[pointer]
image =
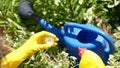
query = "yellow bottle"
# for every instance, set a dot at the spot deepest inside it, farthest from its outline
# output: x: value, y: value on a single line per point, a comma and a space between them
x: 89, y: 59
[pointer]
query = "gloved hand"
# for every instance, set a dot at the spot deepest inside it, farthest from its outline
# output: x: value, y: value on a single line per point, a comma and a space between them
x: 32, y: 45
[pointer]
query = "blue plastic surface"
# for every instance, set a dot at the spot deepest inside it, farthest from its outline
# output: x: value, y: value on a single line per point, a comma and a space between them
x: 87, y: 36
x: 75, y: 35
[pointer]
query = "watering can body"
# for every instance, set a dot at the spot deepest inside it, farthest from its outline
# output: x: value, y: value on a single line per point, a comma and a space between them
x: 74, y: 35
x: 90, y: 37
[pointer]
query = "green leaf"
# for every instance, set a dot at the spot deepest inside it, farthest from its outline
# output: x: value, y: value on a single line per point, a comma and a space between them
x: 117, y: 35
x: 117, y: 43
x: 118, y: 28
x: 3, y: 23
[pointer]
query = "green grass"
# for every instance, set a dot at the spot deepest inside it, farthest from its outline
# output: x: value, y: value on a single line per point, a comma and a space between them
x: 52, y: 58
x: 57, y: 13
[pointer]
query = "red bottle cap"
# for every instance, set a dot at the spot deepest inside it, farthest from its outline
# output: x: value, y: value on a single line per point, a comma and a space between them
x: 81, y: 51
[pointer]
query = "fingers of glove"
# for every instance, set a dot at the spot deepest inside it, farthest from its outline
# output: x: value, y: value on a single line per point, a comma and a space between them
x: 45, y: 46
x: 46, y: 34
x: 55, y: 44
x: 41, y: 37
x: 43, y: 34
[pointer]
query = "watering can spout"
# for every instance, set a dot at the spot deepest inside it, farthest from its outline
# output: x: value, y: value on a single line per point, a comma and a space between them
x: 25, y: 11
x: 52, y: 29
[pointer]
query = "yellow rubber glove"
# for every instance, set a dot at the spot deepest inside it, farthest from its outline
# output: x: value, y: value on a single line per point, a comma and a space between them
x: 35, y: 43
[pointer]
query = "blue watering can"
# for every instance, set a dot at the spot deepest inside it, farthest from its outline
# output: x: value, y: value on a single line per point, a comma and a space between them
x: 74, y: 35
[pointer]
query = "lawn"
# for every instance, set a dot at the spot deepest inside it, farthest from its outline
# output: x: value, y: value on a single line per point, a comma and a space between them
x: 104, y: 14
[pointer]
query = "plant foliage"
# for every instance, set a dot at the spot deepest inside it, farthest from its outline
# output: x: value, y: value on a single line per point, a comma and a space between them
x: 58, y: 12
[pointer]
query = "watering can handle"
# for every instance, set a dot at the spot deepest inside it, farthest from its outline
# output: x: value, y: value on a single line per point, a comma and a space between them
x: 92, y: 29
